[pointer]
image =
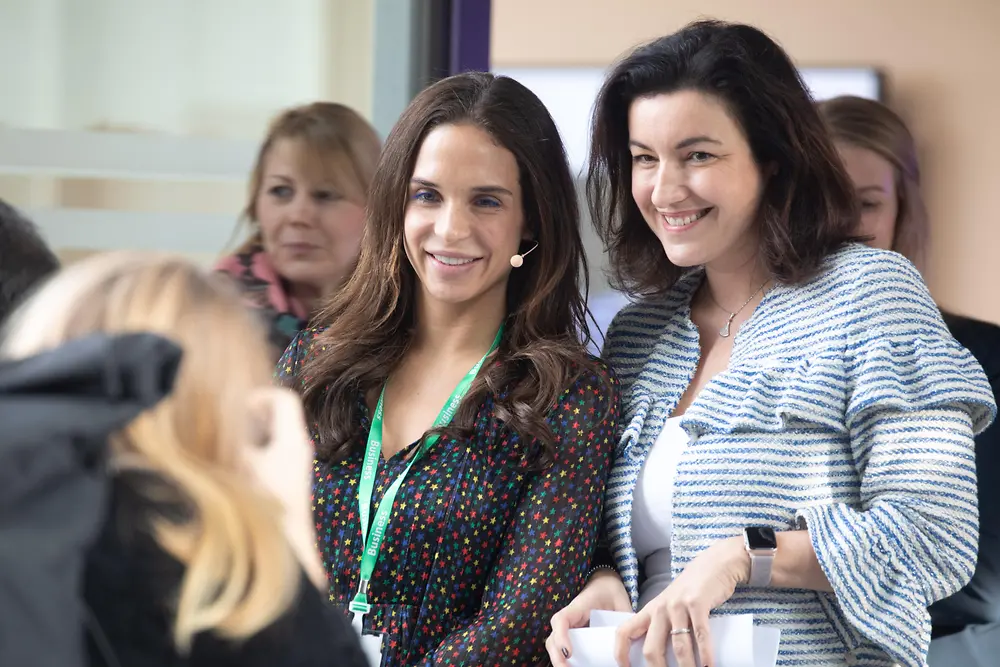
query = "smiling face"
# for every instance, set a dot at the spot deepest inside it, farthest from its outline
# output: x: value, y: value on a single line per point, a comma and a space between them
x: 464, y: 218
x: 310, y: 230
x: 694, y: 179
x: 874, y: 180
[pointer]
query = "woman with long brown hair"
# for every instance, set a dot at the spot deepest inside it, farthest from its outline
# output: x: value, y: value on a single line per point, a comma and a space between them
x: 880, y: 155
x: 454, y: 532
x: 209, y: 538
x: 307, y: 196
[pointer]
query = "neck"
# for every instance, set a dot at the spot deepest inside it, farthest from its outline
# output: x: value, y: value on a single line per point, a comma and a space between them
x: 308, y: 295
x: 733, y: 283
x: 458, y: 329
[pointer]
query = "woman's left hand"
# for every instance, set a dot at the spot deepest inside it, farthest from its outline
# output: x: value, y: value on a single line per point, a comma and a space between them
x: 706, y: 583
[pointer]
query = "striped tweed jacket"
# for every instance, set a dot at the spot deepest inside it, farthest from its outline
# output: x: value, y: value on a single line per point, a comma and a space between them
x: 847, y: 408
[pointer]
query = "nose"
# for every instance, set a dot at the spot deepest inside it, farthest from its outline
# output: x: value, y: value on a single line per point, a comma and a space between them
x: 302, y: 209
x: 452, y: 223
x: 671, y: 186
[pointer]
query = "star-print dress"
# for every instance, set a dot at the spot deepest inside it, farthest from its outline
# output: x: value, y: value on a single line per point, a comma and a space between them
x: 479, y: 552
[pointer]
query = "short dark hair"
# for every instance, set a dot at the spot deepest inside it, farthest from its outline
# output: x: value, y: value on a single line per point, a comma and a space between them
x: 808, y: 207
x: 25, y: 259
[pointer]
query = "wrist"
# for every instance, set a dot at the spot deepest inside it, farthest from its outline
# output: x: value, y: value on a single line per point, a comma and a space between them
x: 739, y: 560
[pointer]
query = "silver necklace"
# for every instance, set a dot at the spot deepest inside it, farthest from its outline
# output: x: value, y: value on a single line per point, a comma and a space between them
x: 724, y: 331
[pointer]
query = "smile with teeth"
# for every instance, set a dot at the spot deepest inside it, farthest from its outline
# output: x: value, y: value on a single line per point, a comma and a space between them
x: 454, y: 261
x: 686, y: 220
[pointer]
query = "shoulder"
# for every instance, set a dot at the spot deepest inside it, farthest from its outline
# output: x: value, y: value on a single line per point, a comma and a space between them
x: 873, y: 293
x: 870, y: 273
x: 594, y: 377
x: 640, y: 323
x: 305, y: 345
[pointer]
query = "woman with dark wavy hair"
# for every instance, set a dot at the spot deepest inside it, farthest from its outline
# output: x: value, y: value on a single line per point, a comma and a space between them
x: 798, y: 422
x: 455, y: 532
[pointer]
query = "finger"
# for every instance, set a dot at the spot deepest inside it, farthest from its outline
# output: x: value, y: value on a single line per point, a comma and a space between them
x: 561, y: 623
x: 703, y: 638
x: 555, y: 651
x: 631, y: 629
x: 682, y: 642
x: 654, y: 648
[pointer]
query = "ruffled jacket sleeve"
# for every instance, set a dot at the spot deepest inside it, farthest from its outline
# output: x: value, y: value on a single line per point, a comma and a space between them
x: 915, y: 399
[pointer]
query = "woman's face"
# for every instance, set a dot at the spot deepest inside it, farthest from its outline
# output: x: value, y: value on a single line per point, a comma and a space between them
x: 311, y: 232
x: 694, y: 179
x: 464, y: 218
x: 874, y: 180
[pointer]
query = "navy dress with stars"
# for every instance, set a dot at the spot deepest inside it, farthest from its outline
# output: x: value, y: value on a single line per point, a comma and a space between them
x: 479, y: 552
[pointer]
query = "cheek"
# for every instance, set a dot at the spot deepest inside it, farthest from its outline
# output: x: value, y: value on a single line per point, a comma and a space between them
x: 642, y: 189
x: 344, y: 222
x: 880, y: 225
x: 268, y: 219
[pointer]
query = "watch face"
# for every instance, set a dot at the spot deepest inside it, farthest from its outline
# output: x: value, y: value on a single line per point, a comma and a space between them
x: 759, y: 537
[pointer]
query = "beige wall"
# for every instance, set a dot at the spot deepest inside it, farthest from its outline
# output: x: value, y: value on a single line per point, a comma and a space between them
x: 940, y: 59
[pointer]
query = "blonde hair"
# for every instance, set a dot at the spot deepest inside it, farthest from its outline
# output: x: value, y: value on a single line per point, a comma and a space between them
x: 339, y: 144
x: 873, y: 126
x: 240, y: 573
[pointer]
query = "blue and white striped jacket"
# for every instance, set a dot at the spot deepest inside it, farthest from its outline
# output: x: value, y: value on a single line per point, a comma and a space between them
x: 848, y: 408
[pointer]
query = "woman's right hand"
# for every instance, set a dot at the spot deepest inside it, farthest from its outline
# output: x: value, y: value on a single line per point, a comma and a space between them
x: 282, y: 463
x: 605, y: 590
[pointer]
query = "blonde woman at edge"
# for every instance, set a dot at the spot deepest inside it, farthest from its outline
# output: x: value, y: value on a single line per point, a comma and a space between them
x: 209, y: 534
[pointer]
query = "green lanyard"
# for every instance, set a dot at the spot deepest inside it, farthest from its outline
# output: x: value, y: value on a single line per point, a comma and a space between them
x: 372, y: 539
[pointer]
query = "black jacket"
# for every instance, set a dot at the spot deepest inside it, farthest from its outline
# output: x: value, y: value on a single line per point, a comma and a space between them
x: 82, y: 582
x: 56, y: 411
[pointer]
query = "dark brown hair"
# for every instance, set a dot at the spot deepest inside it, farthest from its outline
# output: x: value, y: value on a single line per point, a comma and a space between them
x: 808, y: 207
x: 371, y: 319
x: 875, y: 127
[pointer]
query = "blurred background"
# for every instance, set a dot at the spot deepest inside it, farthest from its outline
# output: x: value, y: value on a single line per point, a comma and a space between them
x: 134, y: 123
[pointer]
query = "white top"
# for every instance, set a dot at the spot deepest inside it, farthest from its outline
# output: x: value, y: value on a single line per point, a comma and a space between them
x: 652, y: 508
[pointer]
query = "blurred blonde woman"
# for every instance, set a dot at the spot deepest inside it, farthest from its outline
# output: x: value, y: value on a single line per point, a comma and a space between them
x: 307, y: 197
x: 203, y: 555
x: 881, y: 158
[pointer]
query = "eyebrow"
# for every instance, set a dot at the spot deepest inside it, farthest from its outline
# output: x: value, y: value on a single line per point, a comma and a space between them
x: 479, y: 189
x: 871, y: 188
x: 685, y: 143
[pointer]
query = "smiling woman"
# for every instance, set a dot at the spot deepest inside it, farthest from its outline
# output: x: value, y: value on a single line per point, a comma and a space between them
x: 798, y: 440
x: 307, y: 195
x: 450, y: 386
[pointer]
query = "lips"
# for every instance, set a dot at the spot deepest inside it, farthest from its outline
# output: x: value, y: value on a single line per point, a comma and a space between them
x: 453, y: 259
x: 299, y: 247
x: 685, y: 218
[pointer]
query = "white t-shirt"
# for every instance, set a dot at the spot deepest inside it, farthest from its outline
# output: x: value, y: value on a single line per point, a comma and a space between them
x: 652, y: 508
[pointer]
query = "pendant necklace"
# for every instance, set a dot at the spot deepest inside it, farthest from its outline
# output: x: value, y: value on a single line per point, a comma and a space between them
x: 724, y: 331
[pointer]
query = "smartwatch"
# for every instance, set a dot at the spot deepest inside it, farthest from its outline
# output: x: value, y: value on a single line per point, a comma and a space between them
x: 762, y: 544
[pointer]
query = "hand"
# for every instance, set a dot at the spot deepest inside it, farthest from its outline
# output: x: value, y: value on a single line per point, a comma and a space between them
x: 706, y: 583
x: 604, y: 591
x: 282, y: 464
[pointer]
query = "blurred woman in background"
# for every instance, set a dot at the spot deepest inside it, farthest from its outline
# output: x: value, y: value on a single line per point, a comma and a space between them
x: 308, y: 192
x: 209, y: 534
x: 881, y: 159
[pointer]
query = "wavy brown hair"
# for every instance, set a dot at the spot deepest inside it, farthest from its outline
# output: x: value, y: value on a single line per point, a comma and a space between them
x: 371, y: 320
x: 875, y: 127
x: 808, y: 206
